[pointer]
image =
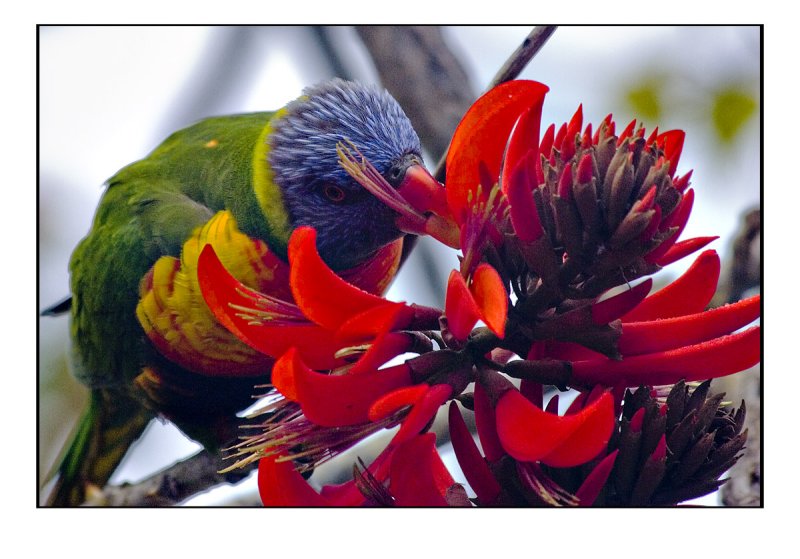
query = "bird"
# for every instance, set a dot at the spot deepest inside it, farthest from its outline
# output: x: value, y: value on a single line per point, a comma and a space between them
x: 142, y: 338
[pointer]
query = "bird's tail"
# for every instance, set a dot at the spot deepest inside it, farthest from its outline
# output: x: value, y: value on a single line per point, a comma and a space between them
x: 110, y: 424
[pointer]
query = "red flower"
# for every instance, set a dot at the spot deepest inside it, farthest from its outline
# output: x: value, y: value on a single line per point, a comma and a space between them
x: 415, y: 473
x: 550, y: 229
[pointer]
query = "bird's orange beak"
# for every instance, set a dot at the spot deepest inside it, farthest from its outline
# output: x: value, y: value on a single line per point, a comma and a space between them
x: 427, y: 196
x: 419, y: 200
x: 423, y: 192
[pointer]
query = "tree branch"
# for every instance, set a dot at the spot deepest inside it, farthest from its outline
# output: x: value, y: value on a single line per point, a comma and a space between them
x: 517, y: 62
x: 418, y: 68
x: 172, y: 485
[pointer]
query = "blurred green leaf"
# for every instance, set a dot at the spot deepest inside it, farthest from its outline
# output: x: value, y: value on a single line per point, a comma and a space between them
x: 732, y: 108
x: 645, y: 101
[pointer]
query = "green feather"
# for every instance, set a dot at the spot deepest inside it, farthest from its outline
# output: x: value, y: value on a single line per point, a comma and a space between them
x: 148, y: 210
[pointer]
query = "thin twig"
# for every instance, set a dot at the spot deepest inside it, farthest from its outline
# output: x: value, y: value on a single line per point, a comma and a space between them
x: 529, y: 47
x: 171, y: 486
x: 518, y: 60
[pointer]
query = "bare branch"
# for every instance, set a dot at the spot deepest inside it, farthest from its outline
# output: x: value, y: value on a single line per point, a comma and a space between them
x: 171, y: 486
x: 517, y: 62
x: 520, y: 58
x: 417, y: 67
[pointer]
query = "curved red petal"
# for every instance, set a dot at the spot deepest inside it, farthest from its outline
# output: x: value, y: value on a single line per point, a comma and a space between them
x: 530, y: 434
x: 688, y: 294
x: 323, y: 296
x: 481, y: 136
x: 519, y: 189
x: 710, y: 359
x: 280, y: 485
x: 393, y: 401
x: 224, y: 293
x: 418, y: 478
x: 347, y: 494
x: 683, y: 249
x: 490, y: 295
x: 672, y: 144
x: 589, y: 439
x: 486, y: 425
x: 460, y: 307
x: 382, y: 349
x: 374, y: 321
x: 422, y: 413
x: 337, y: 400
x: 473, y: 465
x: 533, y: 391
x: 524, y: 142
x: 678, y: 218
x: 590, y: 488
x: 283, y: 374
x: 616, y: 306
x: 670, y: 333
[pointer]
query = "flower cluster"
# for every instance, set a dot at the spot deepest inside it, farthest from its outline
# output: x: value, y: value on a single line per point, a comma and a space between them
x: 552, y: 232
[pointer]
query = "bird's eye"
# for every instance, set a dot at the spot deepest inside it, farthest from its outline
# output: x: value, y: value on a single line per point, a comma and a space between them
x: 395, y: 173
x: 333, y: 193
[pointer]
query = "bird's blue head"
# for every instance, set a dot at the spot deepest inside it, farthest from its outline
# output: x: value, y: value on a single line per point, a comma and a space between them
x: 351, y: 223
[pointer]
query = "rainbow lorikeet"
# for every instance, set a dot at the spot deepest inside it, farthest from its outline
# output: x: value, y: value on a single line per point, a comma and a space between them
x: 145, y: 342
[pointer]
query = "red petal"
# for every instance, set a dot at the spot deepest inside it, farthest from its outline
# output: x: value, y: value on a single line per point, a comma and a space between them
x: 616, y: 306
x: 672, y: 144
x: 711, y: 359
x: 683, y: 249
x: 547, y: 140
x: 393, y: 401
x: 221, y: 290
x: 590, y: 488
x: 575, y: 123
x: 670, y: 333
x: 565, y: 183
x: 486, y: 426
x: 374, y: 321
x: 688, y: 294
x: 585, y: 170
x: 678, y: 218
x: 473, y: 465
x: 680, y: 215
x: 490, y: 295
x: 637, y: 421
x: 567, y: 146
x: 482, y: 136
x: 460, y: 307
x: 530, y: 434
x: 382, y: 349
x: 422, y: 413
x: 418, y: 476
x: 524, y: 141
x: 324, y: 297
x: 347, y: 493
x: 533, y: 391
x: 280, y: 485
x: 524, y: 215
x: 683, y: 181
x: 337, y: 400
x: 626, y: 133
x: 283, y: 378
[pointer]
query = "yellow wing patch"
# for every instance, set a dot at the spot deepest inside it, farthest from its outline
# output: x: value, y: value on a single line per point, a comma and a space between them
x: 174, y: 314
x: 175, y: 317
